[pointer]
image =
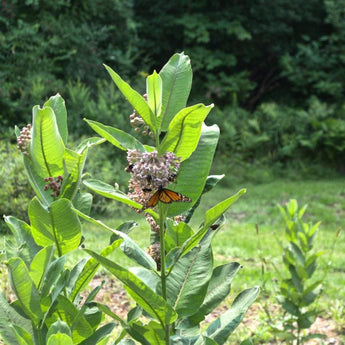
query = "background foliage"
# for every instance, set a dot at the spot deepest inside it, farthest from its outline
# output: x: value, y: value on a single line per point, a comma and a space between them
x: 276, y: 73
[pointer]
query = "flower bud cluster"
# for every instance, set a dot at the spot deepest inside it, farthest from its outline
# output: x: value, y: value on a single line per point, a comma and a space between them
x: 153, y: 224
x: 54, y: 183
x: 139, y: 124
x: 24, y: 139
x: 155, y: 252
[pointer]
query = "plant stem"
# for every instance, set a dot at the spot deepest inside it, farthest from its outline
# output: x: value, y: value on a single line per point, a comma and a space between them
x: 163, y: 275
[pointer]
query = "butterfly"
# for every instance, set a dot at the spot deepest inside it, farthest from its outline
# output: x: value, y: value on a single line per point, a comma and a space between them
x: 166, y: 196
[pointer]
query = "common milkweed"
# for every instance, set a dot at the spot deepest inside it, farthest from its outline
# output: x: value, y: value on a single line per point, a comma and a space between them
x: 166, y: 196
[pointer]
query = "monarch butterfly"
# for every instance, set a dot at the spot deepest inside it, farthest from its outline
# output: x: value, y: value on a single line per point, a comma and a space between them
x: 166, y: 196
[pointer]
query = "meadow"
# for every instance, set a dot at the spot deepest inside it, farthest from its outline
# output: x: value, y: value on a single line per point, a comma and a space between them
x: 254, y: 226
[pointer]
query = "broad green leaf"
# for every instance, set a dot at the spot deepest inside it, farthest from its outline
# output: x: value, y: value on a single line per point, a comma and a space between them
x: 184, y: 131
x: 152, y: 332
x: 194, y: 171
x: 60, y: 339
x: 154, y: 93
x: 149, y: 277
x: 25, y: 289
x: 216, y: 211
x: 9, y: 316
x: 83, y: 202
x: 118, y: 138
x: 47, y: 148
x: 88, y: 142
x: 39, y: 265
x: 126, y: 342
x: 217, y: 290
x: 177, y: 82
x: 74, y: 164
x: 210, y: 217
x: 110, y: 192
x: 23, y: 336
x: 128, y: 246
x: 101, y: 334
x: 134, y: 98
x: 152, y: 303
x: 88, y: 271
x: 66, y: 311
x: 22, y: 234
x: 55, y: 269
x: 188, y: 281
x: 220, y: 329
x: 59, y: 327
x: 57, y: 103
x: 59, y: 226
x: 176, y: 235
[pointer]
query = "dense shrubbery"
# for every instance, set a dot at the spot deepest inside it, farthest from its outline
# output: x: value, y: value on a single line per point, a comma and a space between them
x: 276, y: 72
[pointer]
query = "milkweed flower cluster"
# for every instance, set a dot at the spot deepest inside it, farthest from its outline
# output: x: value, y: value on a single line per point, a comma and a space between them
x: 23, y: 141
x: 139, y: 124
x: 54, y: 183
x: 150, y: 172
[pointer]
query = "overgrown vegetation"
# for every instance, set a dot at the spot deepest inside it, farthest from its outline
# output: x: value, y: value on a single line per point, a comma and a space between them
x: 276, y: 72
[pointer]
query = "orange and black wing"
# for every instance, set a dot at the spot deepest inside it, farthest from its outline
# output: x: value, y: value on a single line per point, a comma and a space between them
x: 166, y: 196
x: 154, y: 199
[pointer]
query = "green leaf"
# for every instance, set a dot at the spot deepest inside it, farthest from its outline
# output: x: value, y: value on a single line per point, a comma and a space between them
x: 184, y: 131
x: 47, y: 148
x: 154, y: 93
x: 88, y: 271
x: 59, y: 226
x: 23, y: 336
x: 118, y: 138
x: 25, y: 289
x: 74, y: 164
x: 22, y: 234
x: 57, y: 103
x: 188, y: 280
x: 176, y: 235
x: 54, y: 272
x: 152, y: 332
x: 59, y: 327
x: 218, y: 289
x: 9, y: 316
x: 177, y: 82
x: 194, y: 171
x: 135, y: 99
x: 101, y: 334
x: 60, y: 339
x: 110, y: 192
x: 39, y: 265
x: 152, y: 303
x: 128, y: 246
x: 66, y: 311
x: 220, y: 329
x: 83, y: 202
x: 210, y: 217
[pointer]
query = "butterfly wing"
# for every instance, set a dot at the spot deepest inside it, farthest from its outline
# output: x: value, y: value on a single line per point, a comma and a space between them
x: 167, y: 196
x: 154, y: 199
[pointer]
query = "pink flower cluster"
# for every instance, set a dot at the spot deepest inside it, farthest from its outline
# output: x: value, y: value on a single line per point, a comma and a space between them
x: 150, y: 171
x: 54, y: 184
x: 23, y: 141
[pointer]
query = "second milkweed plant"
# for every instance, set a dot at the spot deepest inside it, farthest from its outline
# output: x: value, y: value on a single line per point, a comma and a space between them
x: 175, y: 284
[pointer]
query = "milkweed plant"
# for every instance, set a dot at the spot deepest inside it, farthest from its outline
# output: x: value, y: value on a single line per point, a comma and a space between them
x: 174, y: 282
